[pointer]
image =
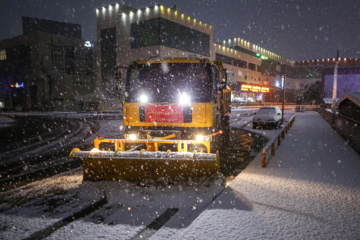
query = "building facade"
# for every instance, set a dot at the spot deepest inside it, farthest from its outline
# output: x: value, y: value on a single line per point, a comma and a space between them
x: 126, y: 34
x: 258, y: 72
x: 49, y: 67
x: 321, y: 72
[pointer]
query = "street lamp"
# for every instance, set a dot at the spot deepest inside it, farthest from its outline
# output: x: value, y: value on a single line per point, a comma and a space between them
x: 333, y: 103
x: 283, y: 80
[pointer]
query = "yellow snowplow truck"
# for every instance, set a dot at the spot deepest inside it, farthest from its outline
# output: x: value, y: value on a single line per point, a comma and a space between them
x: 176, y: 117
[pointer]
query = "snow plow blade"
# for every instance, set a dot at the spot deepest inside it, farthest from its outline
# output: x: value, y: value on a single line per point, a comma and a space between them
x: 137, y: 165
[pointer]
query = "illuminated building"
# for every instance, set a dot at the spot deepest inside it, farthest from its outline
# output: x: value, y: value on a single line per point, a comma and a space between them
x: 125, y: 34
x: 251, y: 65
x: 305, y: 73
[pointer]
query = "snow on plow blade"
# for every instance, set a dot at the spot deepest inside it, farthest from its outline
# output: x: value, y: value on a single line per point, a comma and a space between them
x: 135, y: 165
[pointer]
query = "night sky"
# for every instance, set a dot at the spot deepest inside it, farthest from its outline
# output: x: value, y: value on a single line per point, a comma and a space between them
x: 293, y: 29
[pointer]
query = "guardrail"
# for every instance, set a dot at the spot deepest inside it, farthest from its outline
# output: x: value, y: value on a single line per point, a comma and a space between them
x: 278, y: 138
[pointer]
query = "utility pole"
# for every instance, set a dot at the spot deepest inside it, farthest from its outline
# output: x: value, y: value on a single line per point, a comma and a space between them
x: 333, y: 104
x: 283, y: 80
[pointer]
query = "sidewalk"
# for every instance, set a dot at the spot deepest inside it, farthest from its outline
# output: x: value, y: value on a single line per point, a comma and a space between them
x: 309, y: 190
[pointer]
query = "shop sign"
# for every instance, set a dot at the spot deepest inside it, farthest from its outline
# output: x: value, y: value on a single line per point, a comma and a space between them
x: 253, y: 88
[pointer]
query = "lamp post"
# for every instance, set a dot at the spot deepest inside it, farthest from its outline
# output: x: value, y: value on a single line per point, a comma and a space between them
x: 283, y: 80
x: 333, y: 103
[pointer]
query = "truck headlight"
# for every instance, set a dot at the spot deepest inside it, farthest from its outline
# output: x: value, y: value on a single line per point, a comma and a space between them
x: 132, y: 136
x: 200, y: 138
x: 184, y: 99
x: 143, y: 98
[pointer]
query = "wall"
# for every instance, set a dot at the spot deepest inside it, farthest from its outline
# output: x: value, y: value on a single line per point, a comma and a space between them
x: 349, y: 130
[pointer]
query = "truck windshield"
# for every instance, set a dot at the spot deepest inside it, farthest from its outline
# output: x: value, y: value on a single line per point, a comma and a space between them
x: 166, y: 82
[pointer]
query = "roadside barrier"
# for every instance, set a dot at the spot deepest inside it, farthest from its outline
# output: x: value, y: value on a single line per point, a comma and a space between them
x: 278, y: 137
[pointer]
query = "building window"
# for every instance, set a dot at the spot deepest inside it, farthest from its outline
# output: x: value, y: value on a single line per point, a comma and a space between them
x: 258, y: 68
x: 108, y: 54
x: 59, y: 57
x: 19, y: 52
x: 231, y: 61
x: 159, y: 31
x: 240, y: 63
x: 252, y: 66
x: 89, y: 62
x: 2, y: 54
x: 70, y: 60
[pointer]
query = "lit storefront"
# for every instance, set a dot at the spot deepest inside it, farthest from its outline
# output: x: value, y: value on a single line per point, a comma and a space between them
x: 249, y: 93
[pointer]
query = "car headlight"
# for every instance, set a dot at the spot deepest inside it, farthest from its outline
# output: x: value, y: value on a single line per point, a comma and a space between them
x: 184, y: 99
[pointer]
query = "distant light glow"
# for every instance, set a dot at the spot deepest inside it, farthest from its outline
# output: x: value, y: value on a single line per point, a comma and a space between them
x: 17, y: 85
x: 88, y: 44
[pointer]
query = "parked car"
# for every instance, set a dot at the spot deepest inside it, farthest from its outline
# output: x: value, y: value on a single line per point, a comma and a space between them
x: 267, y: 116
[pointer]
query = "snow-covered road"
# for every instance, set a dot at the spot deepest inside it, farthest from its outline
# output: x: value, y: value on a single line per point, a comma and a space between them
x: 309, y: 190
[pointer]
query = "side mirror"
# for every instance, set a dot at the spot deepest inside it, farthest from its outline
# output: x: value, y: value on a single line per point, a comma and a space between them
x: 118, y: 86
x: 118, y: 75
x: 118, y: 79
